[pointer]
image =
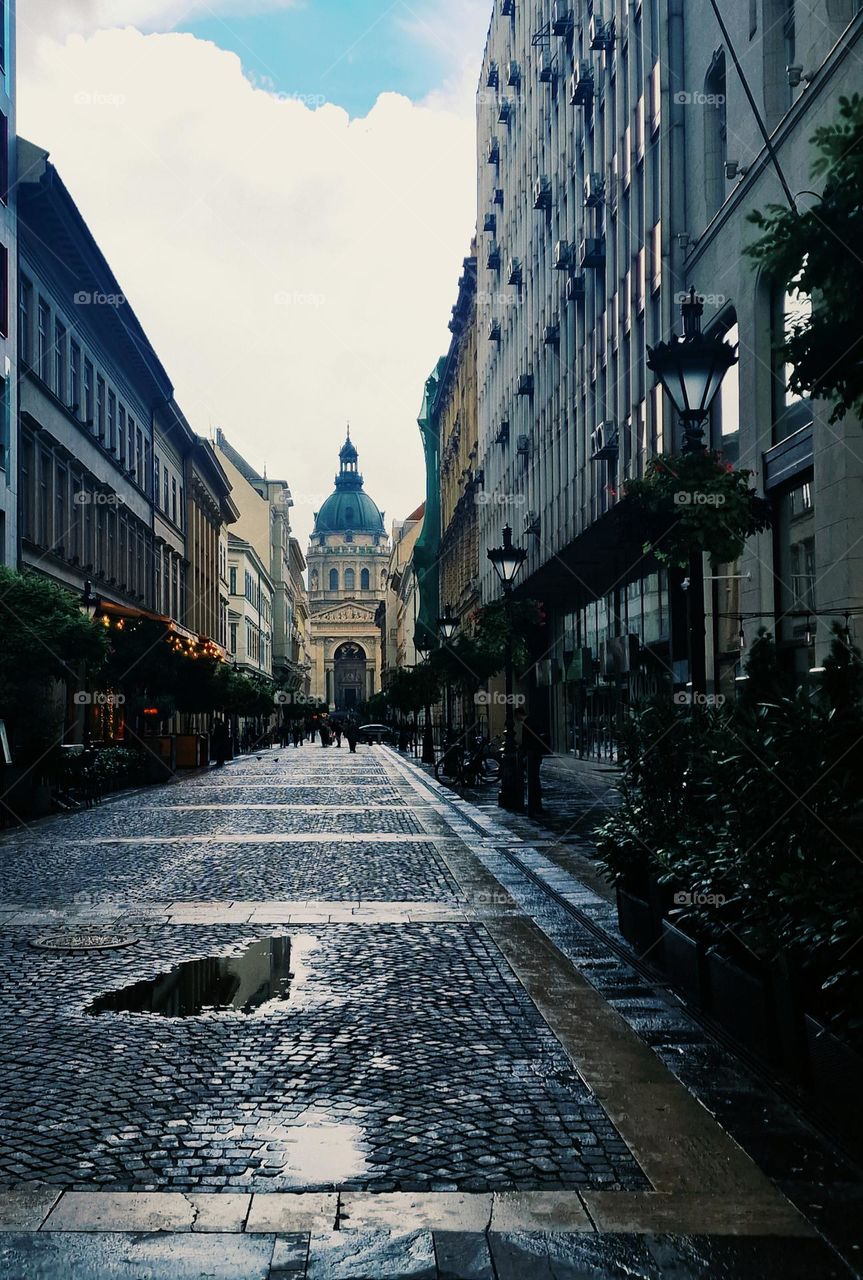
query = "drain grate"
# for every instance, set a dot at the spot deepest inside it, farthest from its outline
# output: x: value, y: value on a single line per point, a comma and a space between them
x: 83, y: 940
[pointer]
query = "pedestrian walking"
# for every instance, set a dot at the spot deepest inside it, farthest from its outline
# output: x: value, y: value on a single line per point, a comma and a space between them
x: 220, y: 742
x: 352, y: 735
x: 534, y: 747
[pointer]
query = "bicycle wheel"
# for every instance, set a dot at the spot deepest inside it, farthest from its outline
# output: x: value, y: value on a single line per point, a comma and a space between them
x: 489, y: 768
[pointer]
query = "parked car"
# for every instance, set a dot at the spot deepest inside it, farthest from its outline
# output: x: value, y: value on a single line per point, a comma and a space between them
x: 376, y: 733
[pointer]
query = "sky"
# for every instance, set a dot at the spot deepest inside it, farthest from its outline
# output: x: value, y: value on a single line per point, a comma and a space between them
x: 285, y: 190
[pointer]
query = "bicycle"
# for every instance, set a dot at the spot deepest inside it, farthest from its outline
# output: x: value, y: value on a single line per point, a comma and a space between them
x: 469, y: 765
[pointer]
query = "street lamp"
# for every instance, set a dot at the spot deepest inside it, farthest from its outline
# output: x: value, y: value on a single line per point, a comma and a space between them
x: 691, y: 369
x: 447, y: 626
x: 507, y: 561
x: 423, y: 645
x: 89, y: 600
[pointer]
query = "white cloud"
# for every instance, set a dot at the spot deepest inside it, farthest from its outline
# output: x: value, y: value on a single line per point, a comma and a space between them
x: 293, y: 268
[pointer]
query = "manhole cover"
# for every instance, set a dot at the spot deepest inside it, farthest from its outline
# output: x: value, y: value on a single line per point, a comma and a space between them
x: 83, y: 940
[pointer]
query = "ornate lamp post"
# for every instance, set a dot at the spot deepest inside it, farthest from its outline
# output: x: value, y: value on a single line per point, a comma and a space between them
x: 690, y: 369
x: 423, y: 645
x: 507, y: 561
x: 447, y: 625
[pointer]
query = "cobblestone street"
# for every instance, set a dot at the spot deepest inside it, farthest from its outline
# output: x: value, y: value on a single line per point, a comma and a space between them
x: 460, y: 1076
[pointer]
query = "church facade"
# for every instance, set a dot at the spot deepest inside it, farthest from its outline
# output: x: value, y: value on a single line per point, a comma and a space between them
x: 347, y: 562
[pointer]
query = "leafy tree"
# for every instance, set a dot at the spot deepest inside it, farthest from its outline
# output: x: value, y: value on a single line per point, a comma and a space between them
x: 816, y: 252
x: 46, y: 638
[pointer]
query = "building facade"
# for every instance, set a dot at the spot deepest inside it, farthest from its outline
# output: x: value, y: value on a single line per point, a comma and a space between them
x: 264, y: 521
x: 250, y: 609
x: 8, y: 292
x: 461, y: 479
x: 803, y: 575
x: 348, y: 561
x: 618, y: 158
x: 89, y: 384
x: 399, y: 608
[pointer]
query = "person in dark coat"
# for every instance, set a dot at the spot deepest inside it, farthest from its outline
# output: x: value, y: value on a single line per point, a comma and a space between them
x: 352, y: 735
x: 220, y: 742
x: 534, y: 746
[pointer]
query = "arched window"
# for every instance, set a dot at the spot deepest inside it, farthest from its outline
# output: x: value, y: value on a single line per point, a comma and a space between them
x: 334, y: 579
x: 715, y: 133
x: 364, y: 580
x: 349, y: 580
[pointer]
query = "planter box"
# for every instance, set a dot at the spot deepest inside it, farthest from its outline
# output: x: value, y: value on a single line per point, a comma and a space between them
x: 836, y: 1071
x: 683, y: 958
x: 637, y: 923
x: 740, y: 1001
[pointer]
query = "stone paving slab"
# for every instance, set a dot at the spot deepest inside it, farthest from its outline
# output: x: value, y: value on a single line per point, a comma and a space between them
x: 26, y: 1208
x: 114, y: 1256
x: 297, y: 1211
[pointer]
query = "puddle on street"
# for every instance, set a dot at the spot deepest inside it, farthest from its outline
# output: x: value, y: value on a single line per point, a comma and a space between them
x: 259, y: 978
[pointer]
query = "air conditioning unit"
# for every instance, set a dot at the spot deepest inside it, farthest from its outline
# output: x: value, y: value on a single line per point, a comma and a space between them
x: 551, y: 335
x: 594, y: 190
x: 562, y: 255
x: 601, y: 34
x: 592, y: 253
x: 604, y: 443
x: 498, y: 197
x: 547, y: 69
x: 532, y: 523
x: 490, y: 223
x: 493, y: 151
x: 494, y: 330
x: 504, y: 114
x: 581, y: 84
x: 542, y: 193
x: 493, y: 78
x: 562, y: 20
x: 525, y: 385
x: 513, y: 271
x: 513, y: 73
x: 502, y: 436
x: 492, y: 260
x: 575, y: 289
x: 522, y: 445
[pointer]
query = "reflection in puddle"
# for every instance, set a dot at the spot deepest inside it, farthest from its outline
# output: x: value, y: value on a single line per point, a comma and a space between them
x: 247, y: 983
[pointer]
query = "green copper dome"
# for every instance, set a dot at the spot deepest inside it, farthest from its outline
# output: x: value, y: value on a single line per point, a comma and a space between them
x: 349, y: 509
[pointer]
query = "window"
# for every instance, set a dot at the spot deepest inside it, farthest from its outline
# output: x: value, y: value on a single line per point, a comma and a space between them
x: 100, y: 408
x: 59, y: 383
x: 791, y: 412
x: 43, y: 342
x: 334, y: 579
x: 4, y: 291
x: 715, y: 133
x: 25, y: 320
x: 4, y: 157
x: 365, y: 578
x: 350, y: 580
x: 75, y: 379
x: 88, y: 393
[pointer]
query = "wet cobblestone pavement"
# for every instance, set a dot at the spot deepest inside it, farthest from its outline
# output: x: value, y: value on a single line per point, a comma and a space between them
x: 460, y: 1082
